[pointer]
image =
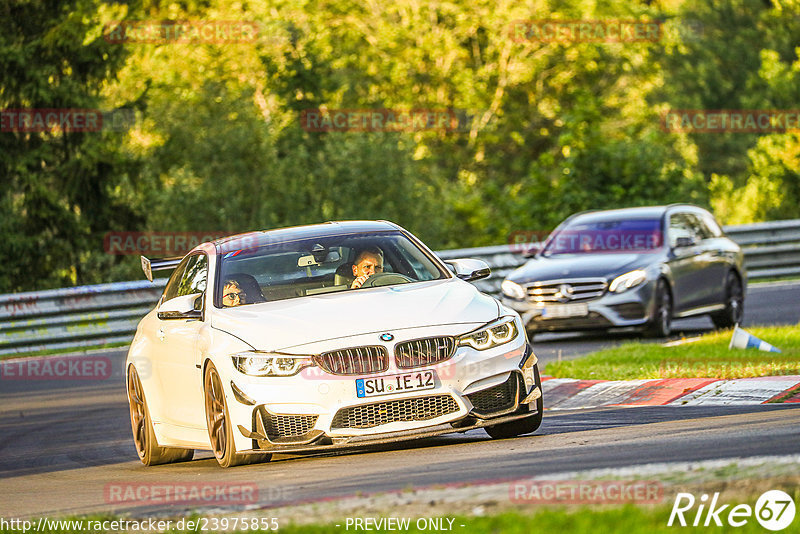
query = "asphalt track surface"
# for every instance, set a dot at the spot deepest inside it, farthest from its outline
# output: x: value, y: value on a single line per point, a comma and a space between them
x: 62, y: 443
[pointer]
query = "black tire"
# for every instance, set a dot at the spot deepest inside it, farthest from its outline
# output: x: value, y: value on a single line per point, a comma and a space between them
x: 521, y: 426
x: 144, y: 437
x: 661, y: 319
x: 734, y: 304
x: 218, y: 422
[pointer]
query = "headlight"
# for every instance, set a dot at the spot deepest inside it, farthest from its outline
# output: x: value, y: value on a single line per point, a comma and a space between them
x: 512, y: 289
x: 256, y: 363
x: 497, y: 333
x: 626, y: 281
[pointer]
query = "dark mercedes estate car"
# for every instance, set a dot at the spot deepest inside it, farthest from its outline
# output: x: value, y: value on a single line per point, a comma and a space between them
x: 635, y: 267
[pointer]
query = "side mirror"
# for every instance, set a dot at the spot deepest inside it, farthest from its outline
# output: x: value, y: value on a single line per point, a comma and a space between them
x: 183, y: 307
x: 469, y: 269
x: 685, y: 241
x: 531, y: 251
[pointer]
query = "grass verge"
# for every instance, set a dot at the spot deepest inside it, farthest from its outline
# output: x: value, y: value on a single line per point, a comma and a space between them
x: 707, y: 356
x: 483, y: 508
x: 787, y: 278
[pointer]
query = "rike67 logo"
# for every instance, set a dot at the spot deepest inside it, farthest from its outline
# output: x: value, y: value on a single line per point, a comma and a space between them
x: 774, y: 510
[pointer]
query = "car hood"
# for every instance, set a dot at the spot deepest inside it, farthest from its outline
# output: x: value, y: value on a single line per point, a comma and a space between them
x: 567, y: 266
x: 278, y: 325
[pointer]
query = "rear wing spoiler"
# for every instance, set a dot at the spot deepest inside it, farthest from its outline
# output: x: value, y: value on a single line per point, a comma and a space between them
x: 158, y: 264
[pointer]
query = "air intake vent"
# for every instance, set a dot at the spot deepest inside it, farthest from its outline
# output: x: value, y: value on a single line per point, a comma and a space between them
x: 496, y: 398
x: 288, y: 426
x: 381, y: 413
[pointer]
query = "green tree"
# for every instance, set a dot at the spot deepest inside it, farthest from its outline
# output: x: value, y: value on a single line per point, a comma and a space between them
x: 58, y: 188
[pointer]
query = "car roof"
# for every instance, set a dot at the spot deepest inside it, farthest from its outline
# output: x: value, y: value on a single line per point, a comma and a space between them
x: 294, y: 233
x: 646, y: 212
x: 643, y: 212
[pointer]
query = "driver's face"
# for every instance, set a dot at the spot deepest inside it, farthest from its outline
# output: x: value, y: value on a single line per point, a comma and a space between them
x: 369, y: 265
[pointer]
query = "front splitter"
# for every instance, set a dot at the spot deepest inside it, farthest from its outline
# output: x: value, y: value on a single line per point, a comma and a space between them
x: 393, y: 437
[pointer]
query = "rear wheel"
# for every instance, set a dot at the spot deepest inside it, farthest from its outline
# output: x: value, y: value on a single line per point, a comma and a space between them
x: 661, y: 321
x: 220, y: 429
x: 521, y: 426
x: 144, y: 437
x: 734, y: 304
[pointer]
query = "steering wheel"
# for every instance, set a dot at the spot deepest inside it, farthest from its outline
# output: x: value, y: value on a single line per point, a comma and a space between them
x: 386, y: 279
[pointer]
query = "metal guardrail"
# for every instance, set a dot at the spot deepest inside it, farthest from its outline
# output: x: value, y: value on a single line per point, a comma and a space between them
x: 86, y: 316
x: 90, y: 316
x: 771, y: 249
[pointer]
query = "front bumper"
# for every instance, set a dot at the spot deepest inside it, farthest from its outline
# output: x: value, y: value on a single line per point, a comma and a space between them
x: 472, y: 389
x: 632, y: 308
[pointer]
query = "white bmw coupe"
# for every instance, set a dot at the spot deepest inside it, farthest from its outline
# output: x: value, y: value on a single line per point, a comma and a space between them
x: 323, y: 337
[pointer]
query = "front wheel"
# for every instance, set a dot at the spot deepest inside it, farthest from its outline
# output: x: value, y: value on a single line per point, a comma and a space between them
x: 521, y: 426
x: 220, y: 429
x: 144, y: 437
x: 734, y: 304
x: 661, y: 321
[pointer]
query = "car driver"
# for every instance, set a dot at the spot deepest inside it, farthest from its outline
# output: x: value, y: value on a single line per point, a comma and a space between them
x: 368, y: 262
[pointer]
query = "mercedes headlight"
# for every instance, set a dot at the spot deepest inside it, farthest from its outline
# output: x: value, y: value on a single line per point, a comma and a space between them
x: 496, y: 333
x: 512, y: 289
x: 256, y: 363
x: 626, y: 281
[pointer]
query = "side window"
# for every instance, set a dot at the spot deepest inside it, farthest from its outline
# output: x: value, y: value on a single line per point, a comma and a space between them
x: 171, y: 290
x: 711, y: 225
x: 195, y: 277
x: 680, y: 225
x: 189, y: 277
x: 699, y: 227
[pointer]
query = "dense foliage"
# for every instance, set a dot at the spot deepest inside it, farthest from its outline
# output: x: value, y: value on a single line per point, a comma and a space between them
x: 546, y: 127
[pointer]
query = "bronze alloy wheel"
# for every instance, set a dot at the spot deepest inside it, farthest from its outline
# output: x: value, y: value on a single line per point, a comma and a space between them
x: 215, y: 412
x: 144, y: 437
x: 220, y: 429
x: 136, y: 402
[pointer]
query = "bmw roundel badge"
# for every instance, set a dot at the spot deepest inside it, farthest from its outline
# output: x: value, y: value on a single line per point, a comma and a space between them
x: 387, y: 337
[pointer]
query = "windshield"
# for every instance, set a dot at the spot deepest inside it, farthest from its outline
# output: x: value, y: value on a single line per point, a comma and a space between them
x: 316, y: 266
x: 627, y: 236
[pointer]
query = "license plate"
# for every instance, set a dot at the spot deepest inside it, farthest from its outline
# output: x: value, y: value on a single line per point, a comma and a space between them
x: 387, y: 385
x: 557, y: 311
